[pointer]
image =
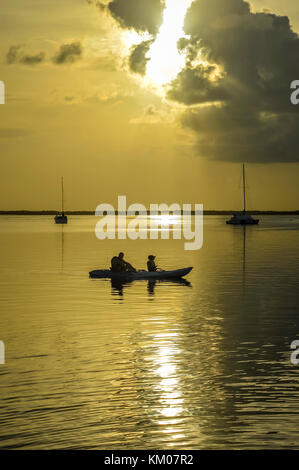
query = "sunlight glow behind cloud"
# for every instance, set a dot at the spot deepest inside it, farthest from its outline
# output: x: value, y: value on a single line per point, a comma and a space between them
x: 165, y: 60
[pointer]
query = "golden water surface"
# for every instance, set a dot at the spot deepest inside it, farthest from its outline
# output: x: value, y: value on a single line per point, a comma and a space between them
x: 203, y: 364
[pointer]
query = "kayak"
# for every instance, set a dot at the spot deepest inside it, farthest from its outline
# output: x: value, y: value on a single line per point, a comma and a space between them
x: 107, y: 274
x: 139, y: 275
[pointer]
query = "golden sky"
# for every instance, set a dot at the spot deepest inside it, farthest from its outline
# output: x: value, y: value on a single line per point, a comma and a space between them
x: 99, y: 94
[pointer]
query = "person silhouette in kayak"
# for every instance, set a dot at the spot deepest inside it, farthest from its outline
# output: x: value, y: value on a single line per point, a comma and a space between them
x: 151, y: 265
x: 118, y: 264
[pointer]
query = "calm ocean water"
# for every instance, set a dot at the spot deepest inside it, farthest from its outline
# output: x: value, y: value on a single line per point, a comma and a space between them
x: 198, y: 365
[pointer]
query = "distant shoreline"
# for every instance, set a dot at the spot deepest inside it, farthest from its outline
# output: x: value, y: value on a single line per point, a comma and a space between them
x: 206, y: 212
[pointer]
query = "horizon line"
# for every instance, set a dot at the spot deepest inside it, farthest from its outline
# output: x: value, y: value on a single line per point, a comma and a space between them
x: 87, y: 212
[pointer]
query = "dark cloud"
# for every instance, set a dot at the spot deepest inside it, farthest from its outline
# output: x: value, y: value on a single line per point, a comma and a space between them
x: 150, y: 110
x: 242, y: 86
x: 97, y: 3
x: 16, y: 54
x: 69, y: 99
x: 33, y: 59
x: 12, y: 55
x: 137, y: 59
x: 196, y: 85
x: 141, y: 15
x: 68, y: 53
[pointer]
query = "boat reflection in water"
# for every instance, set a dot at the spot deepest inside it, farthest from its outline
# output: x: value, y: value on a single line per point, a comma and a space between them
x: 118, y: 287
x: 152, y: 284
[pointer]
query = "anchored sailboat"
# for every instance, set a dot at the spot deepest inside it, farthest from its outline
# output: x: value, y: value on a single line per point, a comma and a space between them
x: 61, y: 218
x: 242, y: 218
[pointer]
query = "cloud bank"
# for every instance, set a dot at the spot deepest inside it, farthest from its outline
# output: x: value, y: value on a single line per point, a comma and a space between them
x: 236, y: 81
x: 237, y: 78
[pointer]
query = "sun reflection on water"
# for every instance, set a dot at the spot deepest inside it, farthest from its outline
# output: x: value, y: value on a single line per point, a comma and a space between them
x: 165, y: 361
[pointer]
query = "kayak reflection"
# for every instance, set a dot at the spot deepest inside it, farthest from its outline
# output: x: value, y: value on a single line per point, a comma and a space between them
x: 118, y: 287
x: 152, y: 284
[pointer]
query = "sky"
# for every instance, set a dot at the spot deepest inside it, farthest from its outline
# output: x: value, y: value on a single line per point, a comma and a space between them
x: 158, y: 100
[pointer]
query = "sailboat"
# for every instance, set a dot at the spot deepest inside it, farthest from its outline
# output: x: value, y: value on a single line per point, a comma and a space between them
x: 61, y: 218
x: 243, y: 218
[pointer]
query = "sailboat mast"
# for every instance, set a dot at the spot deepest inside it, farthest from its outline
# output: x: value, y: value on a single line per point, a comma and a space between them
x: 62, y: 194
x: 244, y: 189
